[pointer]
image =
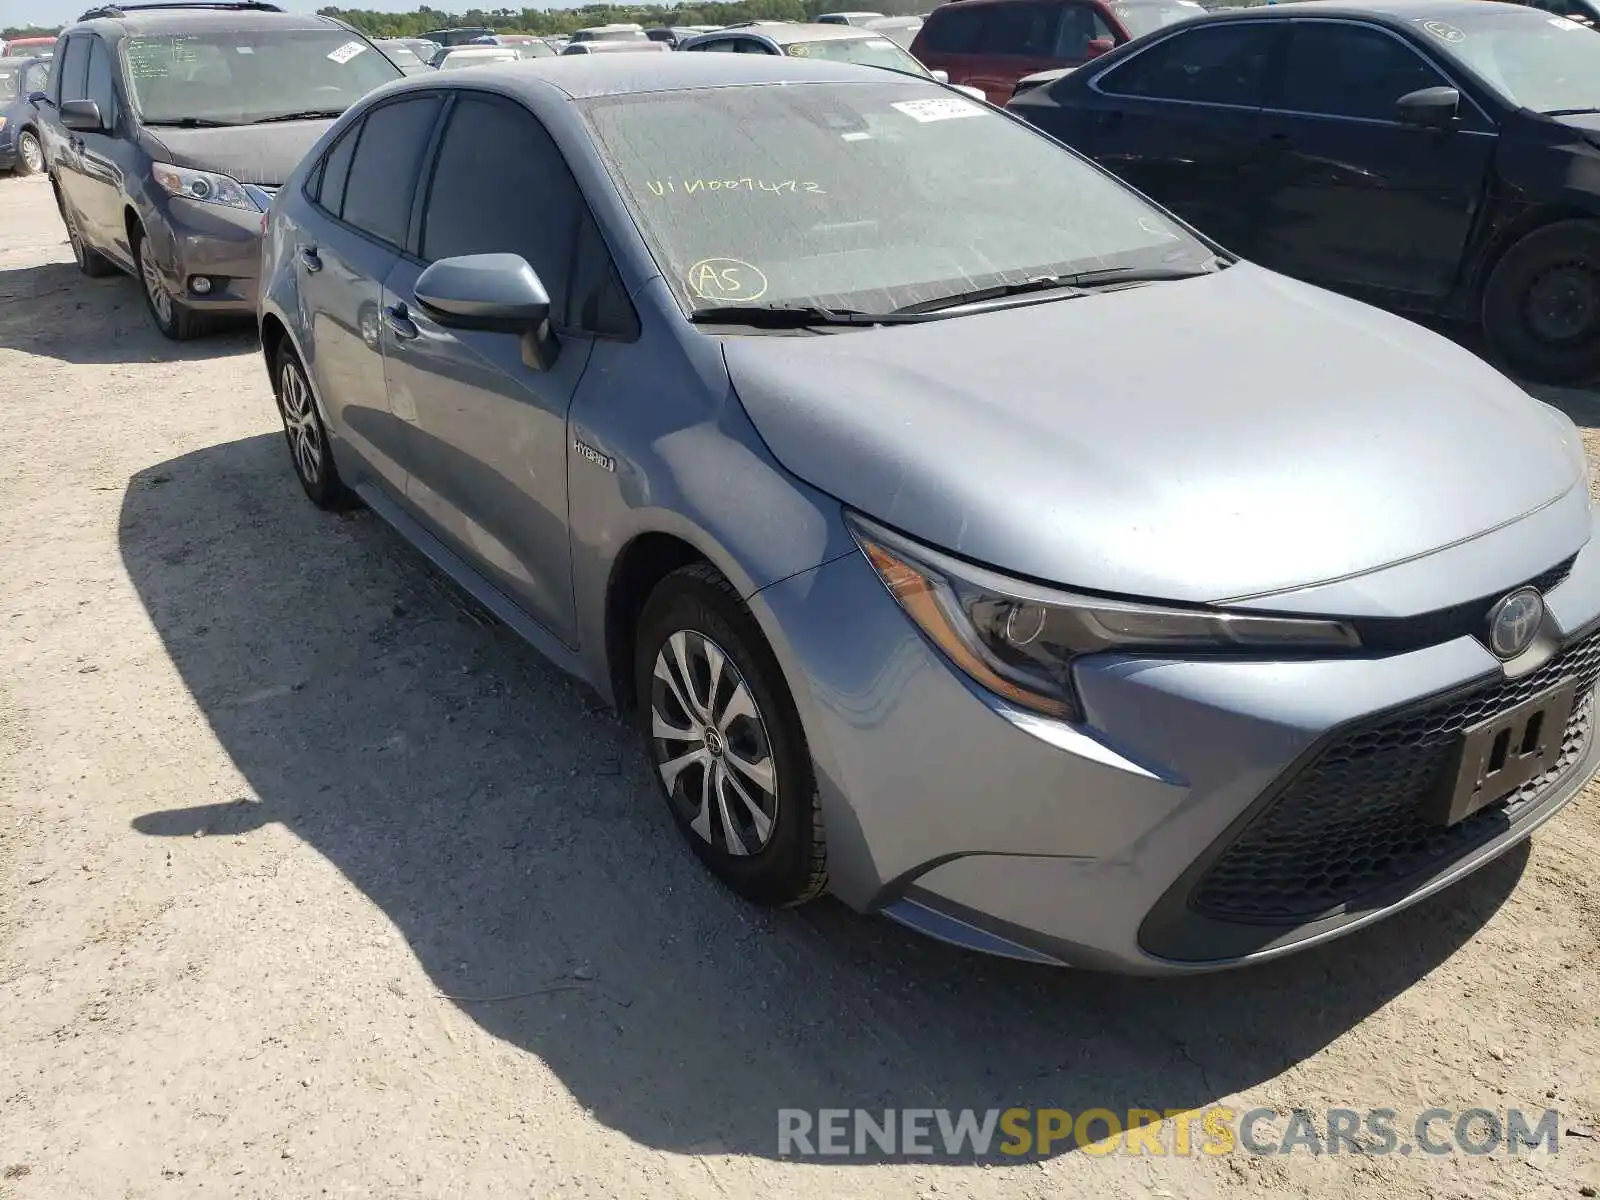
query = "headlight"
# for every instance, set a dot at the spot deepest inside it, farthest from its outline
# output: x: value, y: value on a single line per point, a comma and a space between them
x: 1019, y: 639
x: 204, y: 186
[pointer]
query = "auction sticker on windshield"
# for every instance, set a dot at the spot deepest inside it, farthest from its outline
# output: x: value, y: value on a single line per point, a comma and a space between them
x: 937, y: 110
x: 346, y: 52
x: 725, y: 280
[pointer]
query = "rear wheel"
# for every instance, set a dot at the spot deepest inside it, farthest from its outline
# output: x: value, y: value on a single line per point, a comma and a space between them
x: 726, y: 741
x: 307, y: 436
x: 30, y: 154
x: 1541, y: 306
x: 170, y: 317
x: 91, y: 262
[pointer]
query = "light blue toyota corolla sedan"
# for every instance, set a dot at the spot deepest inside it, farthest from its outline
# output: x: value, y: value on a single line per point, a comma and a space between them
x: 972, y: 539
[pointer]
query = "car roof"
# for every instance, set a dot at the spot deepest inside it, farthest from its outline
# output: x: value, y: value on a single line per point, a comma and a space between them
x: 584, y: 76
x: 796, y: 31
x: 1395, y: 10
x: 134, y: 21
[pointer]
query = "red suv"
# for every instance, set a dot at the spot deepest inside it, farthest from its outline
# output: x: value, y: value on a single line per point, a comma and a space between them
x: 990, y: 44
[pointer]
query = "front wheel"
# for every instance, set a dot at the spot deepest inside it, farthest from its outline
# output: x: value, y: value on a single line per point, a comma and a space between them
x: 1541, y: 305
x: 726, y: 741
x: 30, y: 154
x: 170, y: 317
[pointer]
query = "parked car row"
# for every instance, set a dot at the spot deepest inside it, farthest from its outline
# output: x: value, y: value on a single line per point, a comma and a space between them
x: 969, y: 535
x: 20, y: 148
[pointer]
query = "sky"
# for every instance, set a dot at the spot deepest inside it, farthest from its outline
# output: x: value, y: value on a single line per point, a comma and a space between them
x: 60, y: 12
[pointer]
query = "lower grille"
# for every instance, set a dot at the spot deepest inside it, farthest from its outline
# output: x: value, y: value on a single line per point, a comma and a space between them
x: 1352, y: 825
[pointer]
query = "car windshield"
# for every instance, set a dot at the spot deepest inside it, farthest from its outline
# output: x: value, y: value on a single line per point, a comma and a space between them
x: 1145, y: 18
x: 867, y: 196
x: 402, y: 56
x: 476, y: 57
x: 1536, y: 60
x: 10, y: 83
x: 868, y: 51
x: 243, y: 76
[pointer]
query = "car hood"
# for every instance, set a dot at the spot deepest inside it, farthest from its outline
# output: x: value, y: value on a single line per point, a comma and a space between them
x: 259, y: 154
x: 1202, y: 440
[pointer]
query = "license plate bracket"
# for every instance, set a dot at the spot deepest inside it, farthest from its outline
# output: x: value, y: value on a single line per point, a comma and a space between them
x: 1501, y: 753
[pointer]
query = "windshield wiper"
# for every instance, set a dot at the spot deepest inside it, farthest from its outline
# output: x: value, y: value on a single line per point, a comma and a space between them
x: 1077, y: 284
x: 1568, y: 112
x: 794, y: 316
x: 191, y: 123
x: 310, y: 114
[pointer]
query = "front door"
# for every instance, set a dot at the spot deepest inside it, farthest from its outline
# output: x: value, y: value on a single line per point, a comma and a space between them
x: 1352, y: 198
x: 488, y: 425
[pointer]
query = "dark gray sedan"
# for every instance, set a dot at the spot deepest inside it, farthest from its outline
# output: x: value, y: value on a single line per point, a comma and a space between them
x: 971, y: 538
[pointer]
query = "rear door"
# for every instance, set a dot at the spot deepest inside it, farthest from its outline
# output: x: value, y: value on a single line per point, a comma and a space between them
x: 1181, y: 121
x: 364, y: 189
x: 1351, y: 197
x: 488, y: 428
x: 1020, y: 37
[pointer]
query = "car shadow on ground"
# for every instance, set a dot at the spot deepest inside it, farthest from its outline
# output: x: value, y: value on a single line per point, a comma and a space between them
x: 507, y: 825
x: 45, y: 308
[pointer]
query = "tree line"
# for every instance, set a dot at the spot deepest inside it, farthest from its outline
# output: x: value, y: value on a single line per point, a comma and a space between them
x: 565, y: 20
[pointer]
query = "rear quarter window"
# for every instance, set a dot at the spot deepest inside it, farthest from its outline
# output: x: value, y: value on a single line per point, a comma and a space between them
x: 952, y: 31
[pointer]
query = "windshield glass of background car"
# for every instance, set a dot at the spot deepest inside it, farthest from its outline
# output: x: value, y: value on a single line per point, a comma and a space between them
x: 1536, y: 60
x: 869, y: 52
x: 10, y: 84
x: 861, y: 195
x: 242, y: 76
x: 1141, y: 19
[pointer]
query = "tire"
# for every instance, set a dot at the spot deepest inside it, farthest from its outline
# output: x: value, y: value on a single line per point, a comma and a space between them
x: 91, y: 262
x: 1541, y: 305
x: 30, y: 154
x: 309, y: 448
x: 754, y: 735
x: 170, y: 317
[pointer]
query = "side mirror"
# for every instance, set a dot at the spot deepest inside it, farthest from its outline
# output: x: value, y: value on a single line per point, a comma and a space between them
x: 82, y: 116
x: 1429, y: 108
x: 1098, y: 46
x: 498, y: 293
x: 940, y: 76
x: 38, y: 98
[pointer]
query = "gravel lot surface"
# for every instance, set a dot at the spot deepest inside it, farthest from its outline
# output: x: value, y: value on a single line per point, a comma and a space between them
x: 313, y: 883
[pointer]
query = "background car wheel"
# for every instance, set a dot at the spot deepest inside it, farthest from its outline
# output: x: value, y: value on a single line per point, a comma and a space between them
x: 171, y: 318
x: 30, y: 154
x: 309, y: 448
x: 91, y: 262
x: 726, y: 742
x: 1541, y: 306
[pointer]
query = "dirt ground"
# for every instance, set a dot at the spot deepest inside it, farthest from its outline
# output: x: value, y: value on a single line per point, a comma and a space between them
x: 314, y: 884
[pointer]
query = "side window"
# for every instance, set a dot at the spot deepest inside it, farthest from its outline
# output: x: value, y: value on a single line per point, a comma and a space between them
x: 336, y: 170
x: 500, y: 185
x: 953, y: 30
x: 725, y: 46
x: 1222, y: 64
x: 1022, y: 30
x: 1080, y: 25
x: 1341, y: 70
x: 98, y: 86
x: 73, y: 74
x: 383, y: 175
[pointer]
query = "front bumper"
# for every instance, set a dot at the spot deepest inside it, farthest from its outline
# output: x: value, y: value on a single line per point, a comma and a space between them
x: 1102, y: 845
x: 222, y: 244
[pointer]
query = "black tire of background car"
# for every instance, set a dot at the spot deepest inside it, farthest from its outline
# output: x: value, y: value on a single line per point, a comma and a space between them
x: 24, y: 139
x: 91, y: 262
x: 329, y: 491
x: 1508, y: 293
x: 184, y: 323
x: 792, y: 868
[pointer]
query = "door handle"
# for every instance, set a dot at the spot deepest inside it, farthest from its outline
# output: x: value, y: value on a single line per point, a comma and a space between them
x: 399, y: 322
x: 309, y: 259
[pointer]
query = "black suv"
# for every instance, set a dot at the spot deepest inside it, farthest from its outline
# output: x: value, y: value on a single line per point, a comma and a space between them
x: 167, y: 128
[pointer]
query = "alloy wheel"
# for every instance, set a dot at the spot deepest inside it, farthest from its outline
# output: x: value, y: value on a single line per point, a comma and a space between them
x: 711, y: 745
x: 300, y: 423
x: 32, y: 153
x: 160, y: 299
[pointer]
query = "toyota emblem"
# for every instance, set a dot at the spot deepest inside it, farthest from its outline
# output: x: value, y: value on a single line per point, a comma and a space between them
x: 1513, y: 622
